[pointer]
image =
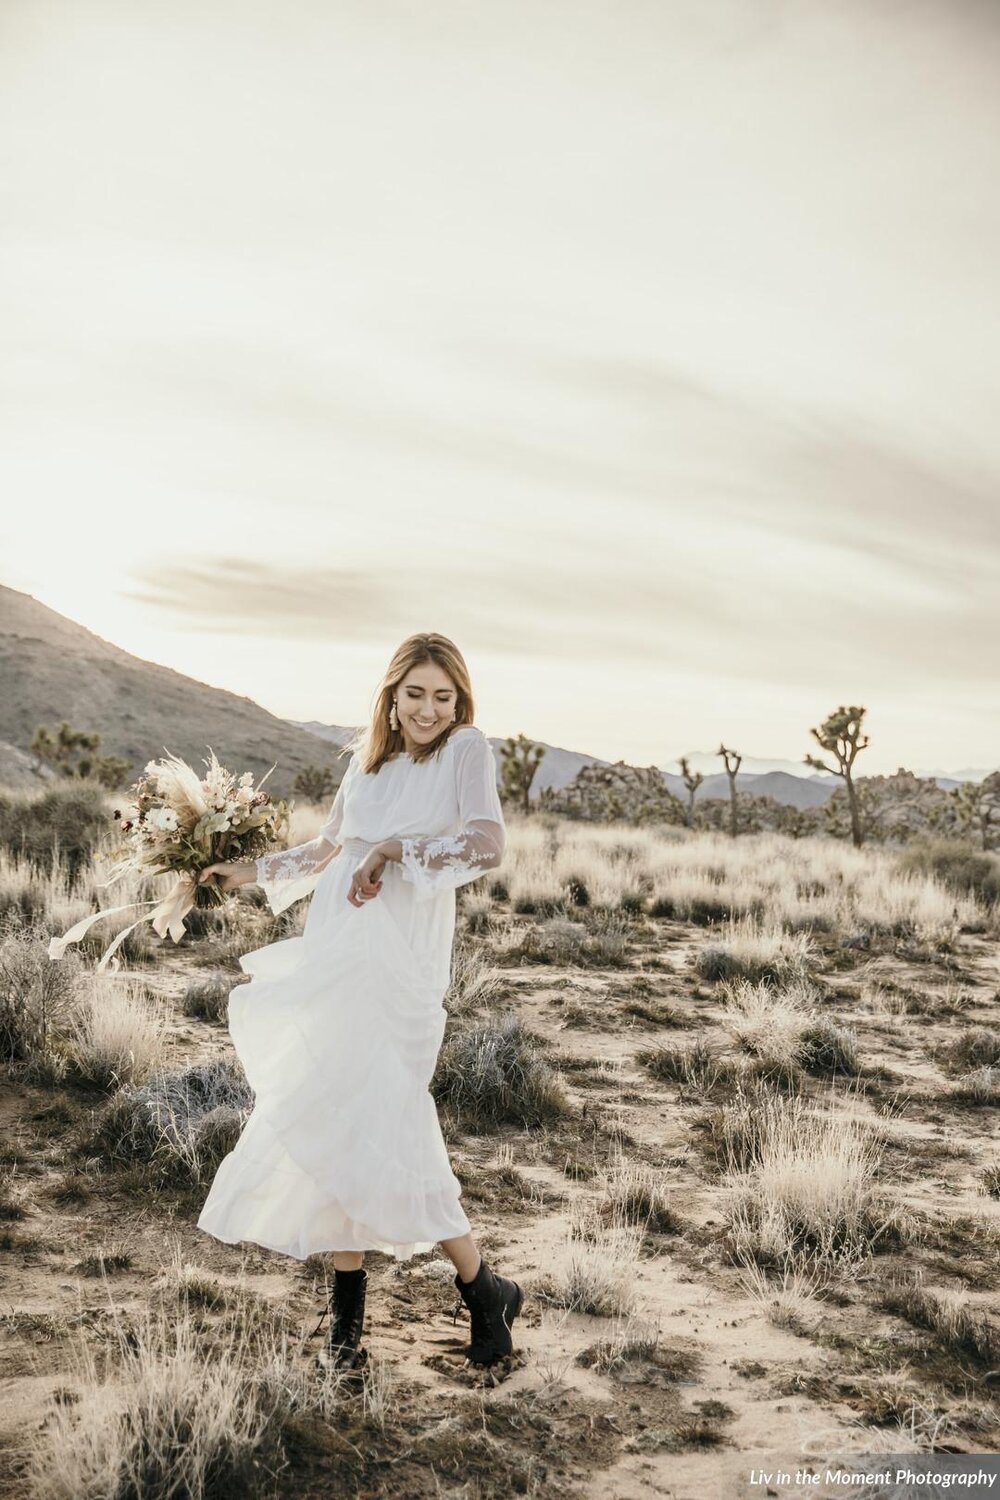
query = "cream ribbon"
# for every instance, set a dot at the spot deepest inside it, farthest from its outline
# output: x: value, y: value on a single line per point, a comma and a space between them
x: 167, y: 918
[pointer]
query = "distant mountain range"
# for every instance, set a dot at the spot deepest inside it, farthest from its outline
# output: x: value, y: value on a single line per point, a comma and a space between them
x: 764, y: 778
x: 52, y: 669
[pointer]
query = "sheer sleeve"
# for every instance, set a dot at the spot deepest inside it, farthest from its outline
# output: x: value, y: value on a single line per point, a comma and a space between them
x: 444, y: 861
x: 290, y: 874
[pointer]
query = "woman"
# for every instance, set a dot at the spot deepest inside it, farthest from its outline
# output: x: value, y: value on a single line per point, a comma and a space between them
x: 339, y: 1030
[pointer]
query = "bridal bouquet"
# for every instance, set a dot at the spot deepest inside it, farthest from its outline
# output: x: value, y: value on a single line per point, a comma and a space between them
x: 178, y: 822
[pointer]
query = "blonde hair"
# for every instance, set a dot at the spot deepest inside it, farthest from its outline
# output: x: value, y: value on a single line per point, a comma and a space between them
x: 379, y: 741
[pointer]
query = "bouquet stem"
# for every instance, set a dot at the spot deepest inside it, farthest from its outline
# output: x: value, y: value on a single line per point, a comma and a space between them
x: 208, y: 895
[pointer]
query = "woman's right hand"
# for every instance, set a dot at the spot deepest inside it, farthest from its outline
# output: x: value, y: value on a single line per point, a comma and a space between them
x: 229, y: 875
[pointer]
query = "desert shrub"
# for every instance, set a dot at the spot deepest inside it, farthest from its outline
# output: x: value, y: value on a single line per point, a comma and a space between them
x: 66, y: 822
x: 35, y: 993
x: 208, y: 1000
x: 493, y: 1074
x: 116, y: 1035
x: 827, y: 1048
x: 955, y: 864
x: 181, y: 1124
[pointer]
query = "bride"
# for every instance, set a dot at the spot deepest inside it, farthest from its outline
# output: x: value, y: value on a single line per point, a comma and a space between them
x: 339, y: 1030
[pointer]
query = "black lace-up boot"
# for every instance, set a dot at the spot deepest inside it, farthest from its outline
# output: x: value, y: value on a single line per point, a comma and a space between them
x: 342, y: 1346
x: 493, y: 1303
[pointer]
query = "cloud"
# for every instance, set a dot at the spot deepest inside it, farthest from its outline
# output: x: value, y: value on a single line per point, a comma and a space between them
x: 797, y: 629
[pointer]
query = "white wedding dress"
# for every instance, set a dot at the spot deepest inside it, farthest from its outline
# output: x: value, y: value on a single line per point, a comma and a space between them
x: 339, y: 1029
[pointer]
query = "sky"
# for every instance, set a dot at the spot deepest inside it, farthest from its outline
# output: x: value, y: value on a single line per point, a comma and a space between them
x: 647, y: 349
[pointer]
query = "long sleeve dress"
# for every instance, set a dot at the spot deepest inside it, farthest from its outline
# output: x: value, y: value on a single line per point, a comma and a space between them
x: 339, y: 1030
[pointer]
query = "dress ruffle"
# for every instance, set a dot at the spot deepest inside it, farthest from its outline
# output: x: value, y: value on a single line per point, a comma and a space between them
x: 338, y: 1033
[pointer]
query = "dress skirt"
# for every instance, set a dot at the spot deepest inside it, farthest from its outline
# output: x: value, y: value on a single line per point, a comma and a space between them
x: 338, y: 1033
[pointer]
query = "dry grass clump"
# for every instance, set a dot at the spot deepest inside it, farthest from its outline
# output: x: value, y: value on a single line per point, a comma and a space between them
x: 636, y: 1194
x: 976, y: 1047
x: 529, y: 875
x: 966, y: 871
x: 756, y: 951
x: 979, y: 1087
x: 475, y: 982
x: 826, y: 1048
x: 493, y: 1073
x: 174, y: 1414
x: 477, y: 911
x: 240, y: 926
x: 595, y: 1268
x: 66, y: 824
x: 47, y: 896
x: 911, y: 906
x: 696, y: 896
x: 179, y: 1124
x: 769, y: 1023
x: 695, y: 1065
x: 959, y: 1327
x: 208, y: 999
x: 36, y: 994
x: 117, y: 1034
x: 11, y: 1198
x: 989, y: 1180
x: 632, y: 1353
x: 105, y: 1261
x: 600, y: 943
x: 808, y: 1190
x: 788, y: 1300
x: 630, y: 1342
x: 736, y: 1131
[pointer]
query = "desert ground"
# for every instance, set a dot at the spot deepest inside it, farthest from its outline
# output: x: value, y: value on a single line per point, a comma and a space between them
x: 725, y: 1108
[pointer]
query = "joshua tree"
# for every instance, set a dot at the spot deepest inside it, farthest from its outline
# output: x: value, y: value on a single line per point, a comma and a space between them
x: 314, y: 783
x: 731, y: 770
x: 975, y: 810
x: 59, y: 749
x: 692, y: 780
x: 840, y: 735
x: 519, y: 760
x: 62, y: 749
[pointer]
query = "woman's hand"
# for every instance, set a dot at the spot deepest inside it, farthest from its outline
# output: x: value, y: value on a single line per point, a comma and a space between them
x: 228, y: 875
x: 366, y: 881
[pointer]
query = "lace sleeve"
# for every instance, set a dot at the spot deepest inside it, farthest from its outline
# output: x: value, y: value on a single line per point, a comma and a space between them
x: 444, y: 861
x: 290, y: 874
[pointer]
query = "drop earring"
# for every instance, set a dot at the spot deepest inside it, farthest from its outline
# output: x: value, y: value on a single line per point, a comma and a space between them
x: 393, y: 716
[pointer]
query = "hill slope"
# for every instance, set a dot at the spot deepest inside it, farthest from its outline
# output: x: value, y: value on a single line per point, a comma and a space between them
x: 53, y: 669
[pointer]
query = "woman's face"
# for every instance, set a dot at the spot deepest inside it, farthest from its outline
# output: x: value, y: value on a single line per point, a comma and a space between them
x: 425, y: 702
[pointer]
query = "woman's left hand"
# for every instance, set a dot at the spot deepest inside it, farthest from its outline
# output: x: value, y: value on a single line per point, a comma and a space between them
x: 366, y: 882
